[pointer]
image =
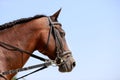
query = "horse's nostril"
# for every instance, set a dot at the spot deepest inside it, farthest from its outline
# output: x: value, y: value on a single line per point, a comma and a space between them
x: 74, y: 64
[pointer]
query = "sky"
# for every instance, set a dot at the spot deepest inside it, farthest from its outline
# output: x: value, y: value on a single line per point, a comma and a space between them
x: 92, y: 32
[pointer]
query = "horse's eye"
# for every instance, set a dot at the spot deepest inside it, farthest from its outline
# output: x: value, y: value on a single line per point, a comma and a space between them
x: 62, y: 34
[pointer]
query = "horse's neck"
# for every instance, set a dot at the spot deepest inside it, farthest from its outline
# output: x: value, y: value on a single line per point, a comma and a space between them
x: 20, y: 36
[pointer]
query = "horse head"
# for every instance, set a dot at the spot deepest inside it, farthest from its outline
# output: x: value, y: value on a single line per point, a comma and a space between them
x: 52, y: 43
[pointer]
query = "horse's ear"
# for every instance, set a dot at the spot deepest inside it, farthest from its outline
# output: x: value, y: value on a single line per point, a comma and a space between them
x: 55, y: 15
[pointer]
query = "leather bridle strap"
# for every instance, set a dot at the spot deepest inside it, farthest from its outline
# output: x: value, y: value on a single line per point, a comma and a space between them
x: 48, y: 39
x: 60, y: 52
x: 58, y: 42
x: 42, y: 66
x: 32, y: 72
x: 13, y: 48
x: 54, y: 32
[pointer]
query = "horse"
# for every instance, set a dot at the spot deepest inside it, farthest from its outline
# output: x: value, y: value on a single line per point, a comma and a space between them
x: 31, y: 34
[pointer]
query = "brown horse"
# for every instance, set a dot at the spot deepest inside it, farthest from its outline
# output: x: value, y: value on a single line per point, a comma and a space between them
x: 30, y: 34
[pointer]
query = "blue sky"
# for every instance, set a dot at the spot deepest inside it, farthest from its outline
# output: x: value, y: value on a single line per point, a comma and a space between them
x: 92, y: 31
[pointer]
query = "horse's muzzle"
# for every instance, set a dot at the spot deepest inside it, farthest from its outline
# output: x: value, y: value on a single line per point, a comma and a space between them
x: 68, y: 64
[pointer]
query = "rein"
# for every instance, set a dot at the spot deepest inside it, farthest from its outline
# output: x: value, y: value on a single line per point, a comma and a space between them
x: 13, y: 48
x: 47, y: 62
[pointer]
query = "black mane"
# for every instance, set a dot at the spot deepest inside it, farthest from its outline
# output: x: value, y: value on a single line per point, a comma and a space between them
x: 19, y: 21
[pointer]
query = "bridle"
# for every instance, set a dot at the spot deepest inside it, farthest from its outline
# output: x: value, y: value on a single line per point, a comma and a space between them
x: 60, y: 53
x: 58, y: 43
